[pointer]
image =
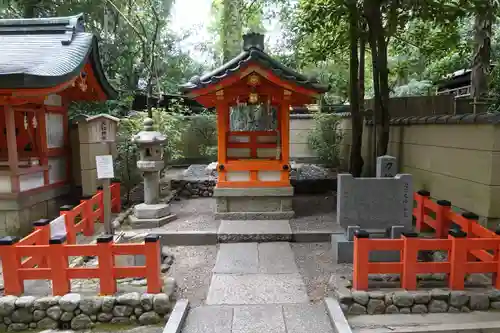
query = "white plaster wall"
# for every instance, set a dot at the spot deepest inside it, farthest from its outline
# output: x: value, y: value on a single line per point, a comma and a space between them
x: 30, y: 181
x: 269, y: 176
x: 5, y: 184
x: 238, y: 176
x: 238, y: 152
x: 57, y: 169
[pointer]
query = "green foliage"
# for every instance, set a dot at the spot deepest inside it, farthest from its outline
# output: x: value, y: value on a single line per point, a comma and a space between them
x: 325, y: 138
x: 413, y: 88
x: 202, y: 130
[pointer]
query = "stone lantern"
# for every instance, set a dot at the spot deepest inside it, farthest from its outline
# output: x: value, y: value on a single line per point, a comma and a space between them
x: 151, y: 213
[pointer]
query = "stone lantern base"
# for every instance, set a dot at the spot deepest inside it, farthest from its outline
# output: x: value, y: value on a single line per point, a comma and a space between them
x: 151, y: 216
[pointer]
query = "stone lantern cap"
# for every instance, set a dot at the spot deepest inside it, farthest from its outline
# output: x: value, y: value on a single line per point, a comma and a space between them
x: 148, y: 136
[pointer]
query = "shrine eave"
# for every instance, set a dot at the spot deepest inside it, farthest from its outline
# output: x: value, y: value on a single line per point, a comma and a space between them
x: 253, y: 56
x: 48, y: 52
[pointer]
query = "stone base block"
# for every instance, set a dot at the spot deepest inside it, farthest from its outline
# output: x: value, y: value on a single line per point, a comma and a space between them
x: 254, y: 203
x: 343, y: 251
x: 156, y: 211
x: 137, y: 223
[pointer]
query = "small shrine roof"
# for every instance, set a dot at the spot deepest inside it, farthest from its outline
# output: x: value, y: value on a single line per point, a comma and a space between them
x: 46, y: 52
x: 253, y: 52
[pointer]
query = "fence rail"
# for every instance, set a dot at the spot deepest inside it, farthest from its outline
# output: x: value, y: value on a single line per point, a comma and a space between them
x: 471, y: 247
x: 43, y: 254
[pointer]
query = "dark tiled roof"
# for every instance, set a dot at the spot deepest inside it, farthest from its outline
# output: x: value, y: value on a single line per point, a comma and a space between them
x: 253, y: 53
x: 46, y: 52
x: 469, y: 118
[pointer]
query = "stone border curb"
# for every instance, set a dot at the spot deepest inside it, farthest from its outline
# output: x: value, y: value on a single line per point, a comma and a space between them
x: 337, y: 317
x: 177, y: 317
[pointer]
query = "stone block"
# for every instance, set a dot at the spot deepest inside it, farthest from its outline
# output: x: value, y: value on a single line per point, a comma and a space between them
x: 154, y: 211
x: 386, y: 167
x: 137, y: 223
x: 258, y: 318
x: 231, y: 231
x: 375, y: 203
x: 208, y: 319
x: 343, y: 251
x: 276, y: 258
x: 237, y: 258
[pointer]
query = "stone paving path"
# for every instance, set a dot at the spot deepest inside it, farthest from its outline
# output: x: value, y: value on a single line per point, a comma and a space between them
x: 257, y: 288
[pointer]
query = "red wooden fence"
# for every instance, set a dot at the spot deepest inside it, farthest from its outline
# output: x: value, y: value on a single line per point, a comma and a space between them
x: 471, y: 247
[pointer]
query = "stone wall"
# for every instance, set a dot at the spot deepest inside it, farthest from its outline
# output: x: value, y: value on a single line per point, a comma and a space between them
x: 73, y: 311
x: 423, y: 301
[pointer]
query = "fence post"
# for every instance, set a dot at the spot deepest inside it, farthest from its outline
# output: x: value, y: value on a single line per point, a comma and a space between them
x: 88, y: 229
x: 361, y: 259
x: 443, y: 218
x: 58, y: 264
x: 458, y: 259
x: 69, y: 221
x: 100, y: 195
x: 421, y: 198
x: 496, y: 275
x: 44, y: 226
x: 116, y: 196
x: 152, y: 253
x: 409, y: 259
x: 471, y: 218
x: 107, y: 283
x: 13, y: 284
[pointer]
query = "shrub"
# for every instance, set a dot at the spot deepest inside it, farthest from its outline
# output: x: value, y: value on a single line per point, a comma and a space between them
x: 325, y: 138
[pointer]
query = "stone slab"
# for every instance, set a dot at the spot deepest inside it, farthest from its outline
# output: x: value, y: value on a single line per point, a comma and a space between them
x: 209, y: 319
x: 188, y: 237
x: 256, y: 289
x: 258, y: 319
x: 254, y: 192
x: 254, y: 231
x: 137, y: 223
x: 386, y: 166
x: 337, y: 317
x: 255, y: 215
x: 375, y: 202
x: 237, y: 258
x: 177, y: 317
x: 300, y: 318
x: 156, y: 211
x: 276, y: 258
x: 311, y: 236
x: 343, y: 250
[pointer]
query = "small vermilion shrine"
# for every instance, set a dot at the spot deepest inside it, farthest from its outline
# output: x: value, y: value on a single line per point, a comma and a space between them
x: 45, y: 64
x: 253, y: 94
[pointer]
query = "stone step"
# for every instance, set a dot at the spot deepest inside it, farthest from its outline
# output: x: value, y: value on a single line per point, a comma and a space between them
x: 288, y: 318
x: 237, y: 231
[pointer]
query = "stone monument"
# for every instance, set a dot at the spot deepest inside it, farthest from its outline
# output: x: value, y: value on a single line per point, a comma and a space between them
x: 387, y: 167
x: 381, y: 206
x: 151, y: 213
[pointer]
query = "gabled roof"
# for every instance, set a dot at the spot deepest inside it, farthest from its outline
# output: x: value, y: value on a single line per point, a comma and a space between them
x: 253, y: 52
x: 46, y: 52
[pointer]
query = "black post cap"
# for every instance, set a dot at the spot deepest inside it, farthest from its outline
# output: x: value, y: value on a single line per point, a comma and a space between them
x: 59, y: 239
x: 409, y: 234
x: 424, y: 193
x: 99, y: 188
x: 41, y: 222
x: 497, y: 231
x: 444, y: 203
x: 457, y: 233
x: 104, y: 238
x: 361, y: 234
x: 221, y: 167
x: 151, y: 238
x: 470, y: 216
x: 286, y: 167
x: 66, y: 208
x: 9, y: 240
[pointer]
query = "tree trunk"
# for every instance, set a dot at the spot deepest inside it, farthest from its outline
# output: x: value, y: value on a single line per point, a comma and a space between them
x: 378, y: 46
x: 231, y: 32
x: 482, y: 51
x: 29, y: 8
x: 355, y: 160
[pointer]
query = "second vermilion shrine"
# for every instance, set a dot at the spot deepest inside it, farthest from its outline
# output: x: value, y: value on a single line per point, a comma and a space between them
x: 253, y: 95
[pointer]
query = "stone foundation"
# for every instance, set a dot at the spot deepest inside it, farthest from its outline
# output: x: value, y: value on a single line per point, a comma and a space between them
x: 254, y: 203
x: 18, y: 214
x: 422, y: 301
x: 73, y: 311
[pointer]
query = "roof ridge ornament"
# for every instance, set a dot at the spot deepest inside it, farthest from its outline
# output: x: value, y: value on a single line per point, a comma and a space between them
x: 253, y: 40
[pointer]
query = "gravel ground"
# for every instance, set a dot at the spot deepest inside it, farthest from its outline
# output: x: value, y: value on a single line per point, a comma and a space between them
x: 193, y: 214
x: 192, y: 269
x: 315, y: 212
x: 115, y: 328
x: 316, y: 267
